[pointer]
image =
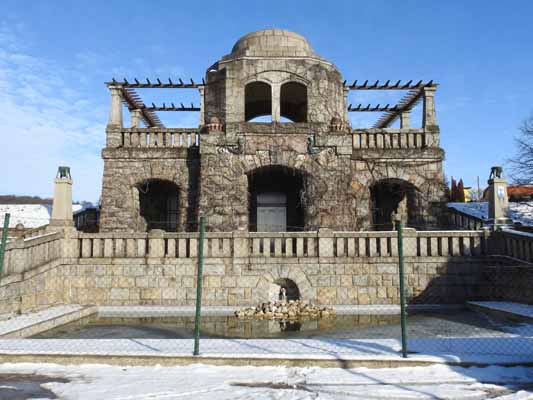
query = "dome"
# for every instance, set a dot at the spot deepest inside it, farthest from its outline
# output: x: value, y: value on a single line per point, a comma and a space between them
x: 272, y: 43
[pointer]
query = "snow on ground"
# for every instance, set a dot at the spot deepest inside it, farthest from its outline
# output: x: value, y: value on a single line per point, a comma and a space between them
x: 30, y: 215
x: 199, y: 382
x: 518, y: 309
x: 519, y: 212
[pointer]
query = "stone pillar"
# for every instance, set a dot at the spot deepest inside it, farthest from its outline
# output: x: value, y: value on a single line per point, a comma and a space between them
x: 156, y: 243
x: 241, y: 246
x: 201, y: 89
x: 325, y: 242
x: 135, y: 118
x: 429, y: 118
x: 276, y: 111
x: 114, y: 124
x: 62, y: 205
x: 498, y: 202
x: 409, y: 242
x: 345, y: 116
x: 404, y: 119
x: 115, y: 111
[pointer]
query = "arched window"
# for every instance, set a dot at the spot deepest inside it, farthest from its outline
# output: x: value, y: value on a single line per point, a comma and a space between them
x: 258, y: 101
x: 158, y: 204
x: 293, y: 101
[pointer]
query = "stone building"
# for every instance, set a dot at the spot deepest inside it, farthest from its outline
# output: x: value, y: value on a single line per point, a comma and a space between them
x: 274, y: 150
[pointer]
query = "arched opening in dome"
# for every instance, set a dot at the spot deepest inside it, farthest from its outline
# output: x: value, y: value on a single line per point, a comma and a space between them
x: 158, y: 204
x: 293, y: 101
x: 258, y: 102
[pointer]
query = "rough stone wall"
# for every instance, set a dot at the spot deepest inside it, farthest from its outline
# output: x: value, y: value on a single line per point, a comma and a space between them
x: 124, y: 169
x: 339, y: 179
x: 243, y: 282
x: 39, y: 288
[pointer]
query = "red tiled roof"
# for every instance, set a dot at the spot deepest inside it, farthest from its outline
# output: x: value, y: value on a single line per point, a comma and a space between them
x: 520, y: 190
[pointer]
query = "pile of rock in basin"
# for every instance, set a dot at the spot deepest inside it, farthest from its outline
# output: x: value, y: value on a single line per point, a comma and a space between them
x: 285, y: 310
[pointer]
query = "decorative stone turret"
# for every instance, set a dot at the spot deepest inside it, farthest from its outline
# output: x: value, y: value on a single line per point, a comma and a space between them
x: 62, y: 205
x: 498, y: 202
x: 215, y: 125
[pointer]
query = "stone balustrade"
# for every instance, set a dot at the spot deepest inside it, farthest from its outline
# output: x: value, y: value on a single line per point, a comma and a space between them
x: 159, y: 137
x: 461, y: 220
x: 514, y: 244
x: 24, y: 254
x: 283, y: 244
x: 38, y: 231
x: 387, y: 138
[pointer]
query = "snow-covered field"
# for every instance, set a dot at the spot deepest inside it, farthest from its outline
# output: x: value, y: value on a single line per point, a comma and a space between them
x: 200, y: 382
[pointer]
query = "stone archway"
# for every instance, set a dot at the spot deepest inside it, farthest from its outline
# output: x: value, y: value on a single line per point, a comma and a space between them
x: 293, y: 277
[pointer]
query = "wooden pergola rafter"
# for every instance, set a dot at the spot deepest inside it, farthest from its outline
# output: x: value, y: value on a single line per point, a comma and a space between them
x: 388, y: 86
x: 405, y: 104
x: 133, y: 101
x: 415, y: 94
x: 158, y: 84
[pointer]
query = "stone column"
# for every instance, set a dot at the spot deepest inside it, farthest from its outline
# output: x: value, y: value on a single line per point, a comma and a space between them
x: 114, y: 124
x: 429, y: 118
x: 62, y: 204
x: 345, y: 117
x: 276, y: 111
x: 498, y: 202
x: 135, y: 118
x: 201, y: 89
x: 404, y: 119
x: 115, y: 111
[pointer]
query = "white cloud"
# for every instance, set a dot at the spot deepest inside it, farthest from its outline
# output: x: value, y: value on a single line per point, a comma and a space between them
x: 45, y: 122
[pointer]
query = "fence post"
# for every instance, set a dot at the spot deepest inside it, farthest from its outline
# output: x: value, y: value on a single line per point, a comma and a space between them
x: 3, y: 243
x: 199, y: 288
x: 403, y: 311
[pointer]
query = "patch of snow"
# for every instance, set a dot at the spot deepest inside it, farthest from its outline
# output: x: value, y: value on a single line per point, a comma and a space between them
x: 519, y: 212
x: 31, y: 215
x: 207, y: 382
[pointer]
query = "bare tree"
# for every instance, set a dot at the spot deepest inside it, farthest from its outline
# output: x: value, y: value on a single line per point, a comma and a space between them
x: 522, y: 163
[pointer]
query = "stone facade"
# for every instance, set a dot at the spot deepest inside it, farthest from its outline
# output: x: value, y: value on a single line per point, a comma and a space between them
x: 340, y: 166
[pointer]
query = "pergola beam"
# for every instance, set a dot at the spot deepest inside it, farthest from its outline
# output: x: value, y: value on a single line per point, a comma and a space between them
x: 388, y: 86
x: 172, y: 107
x: 370, y: 108
x: 157, y: 85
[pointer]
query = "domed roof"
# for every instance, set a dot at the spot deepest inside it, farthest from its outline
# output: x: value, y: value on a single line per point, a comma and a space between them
x: 272, y: 43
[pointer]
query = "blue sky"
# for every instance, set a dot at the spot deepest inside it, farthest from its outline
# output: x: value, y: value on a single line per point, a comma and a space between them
x: 55, y: 56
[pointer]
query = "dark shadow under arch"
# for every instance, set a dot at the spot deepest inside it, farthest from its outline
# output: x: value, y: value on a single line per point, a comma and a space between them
x: 292, y: 290
x: 159, y: 204
x: 276, y: 190
x: 391, y: 197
